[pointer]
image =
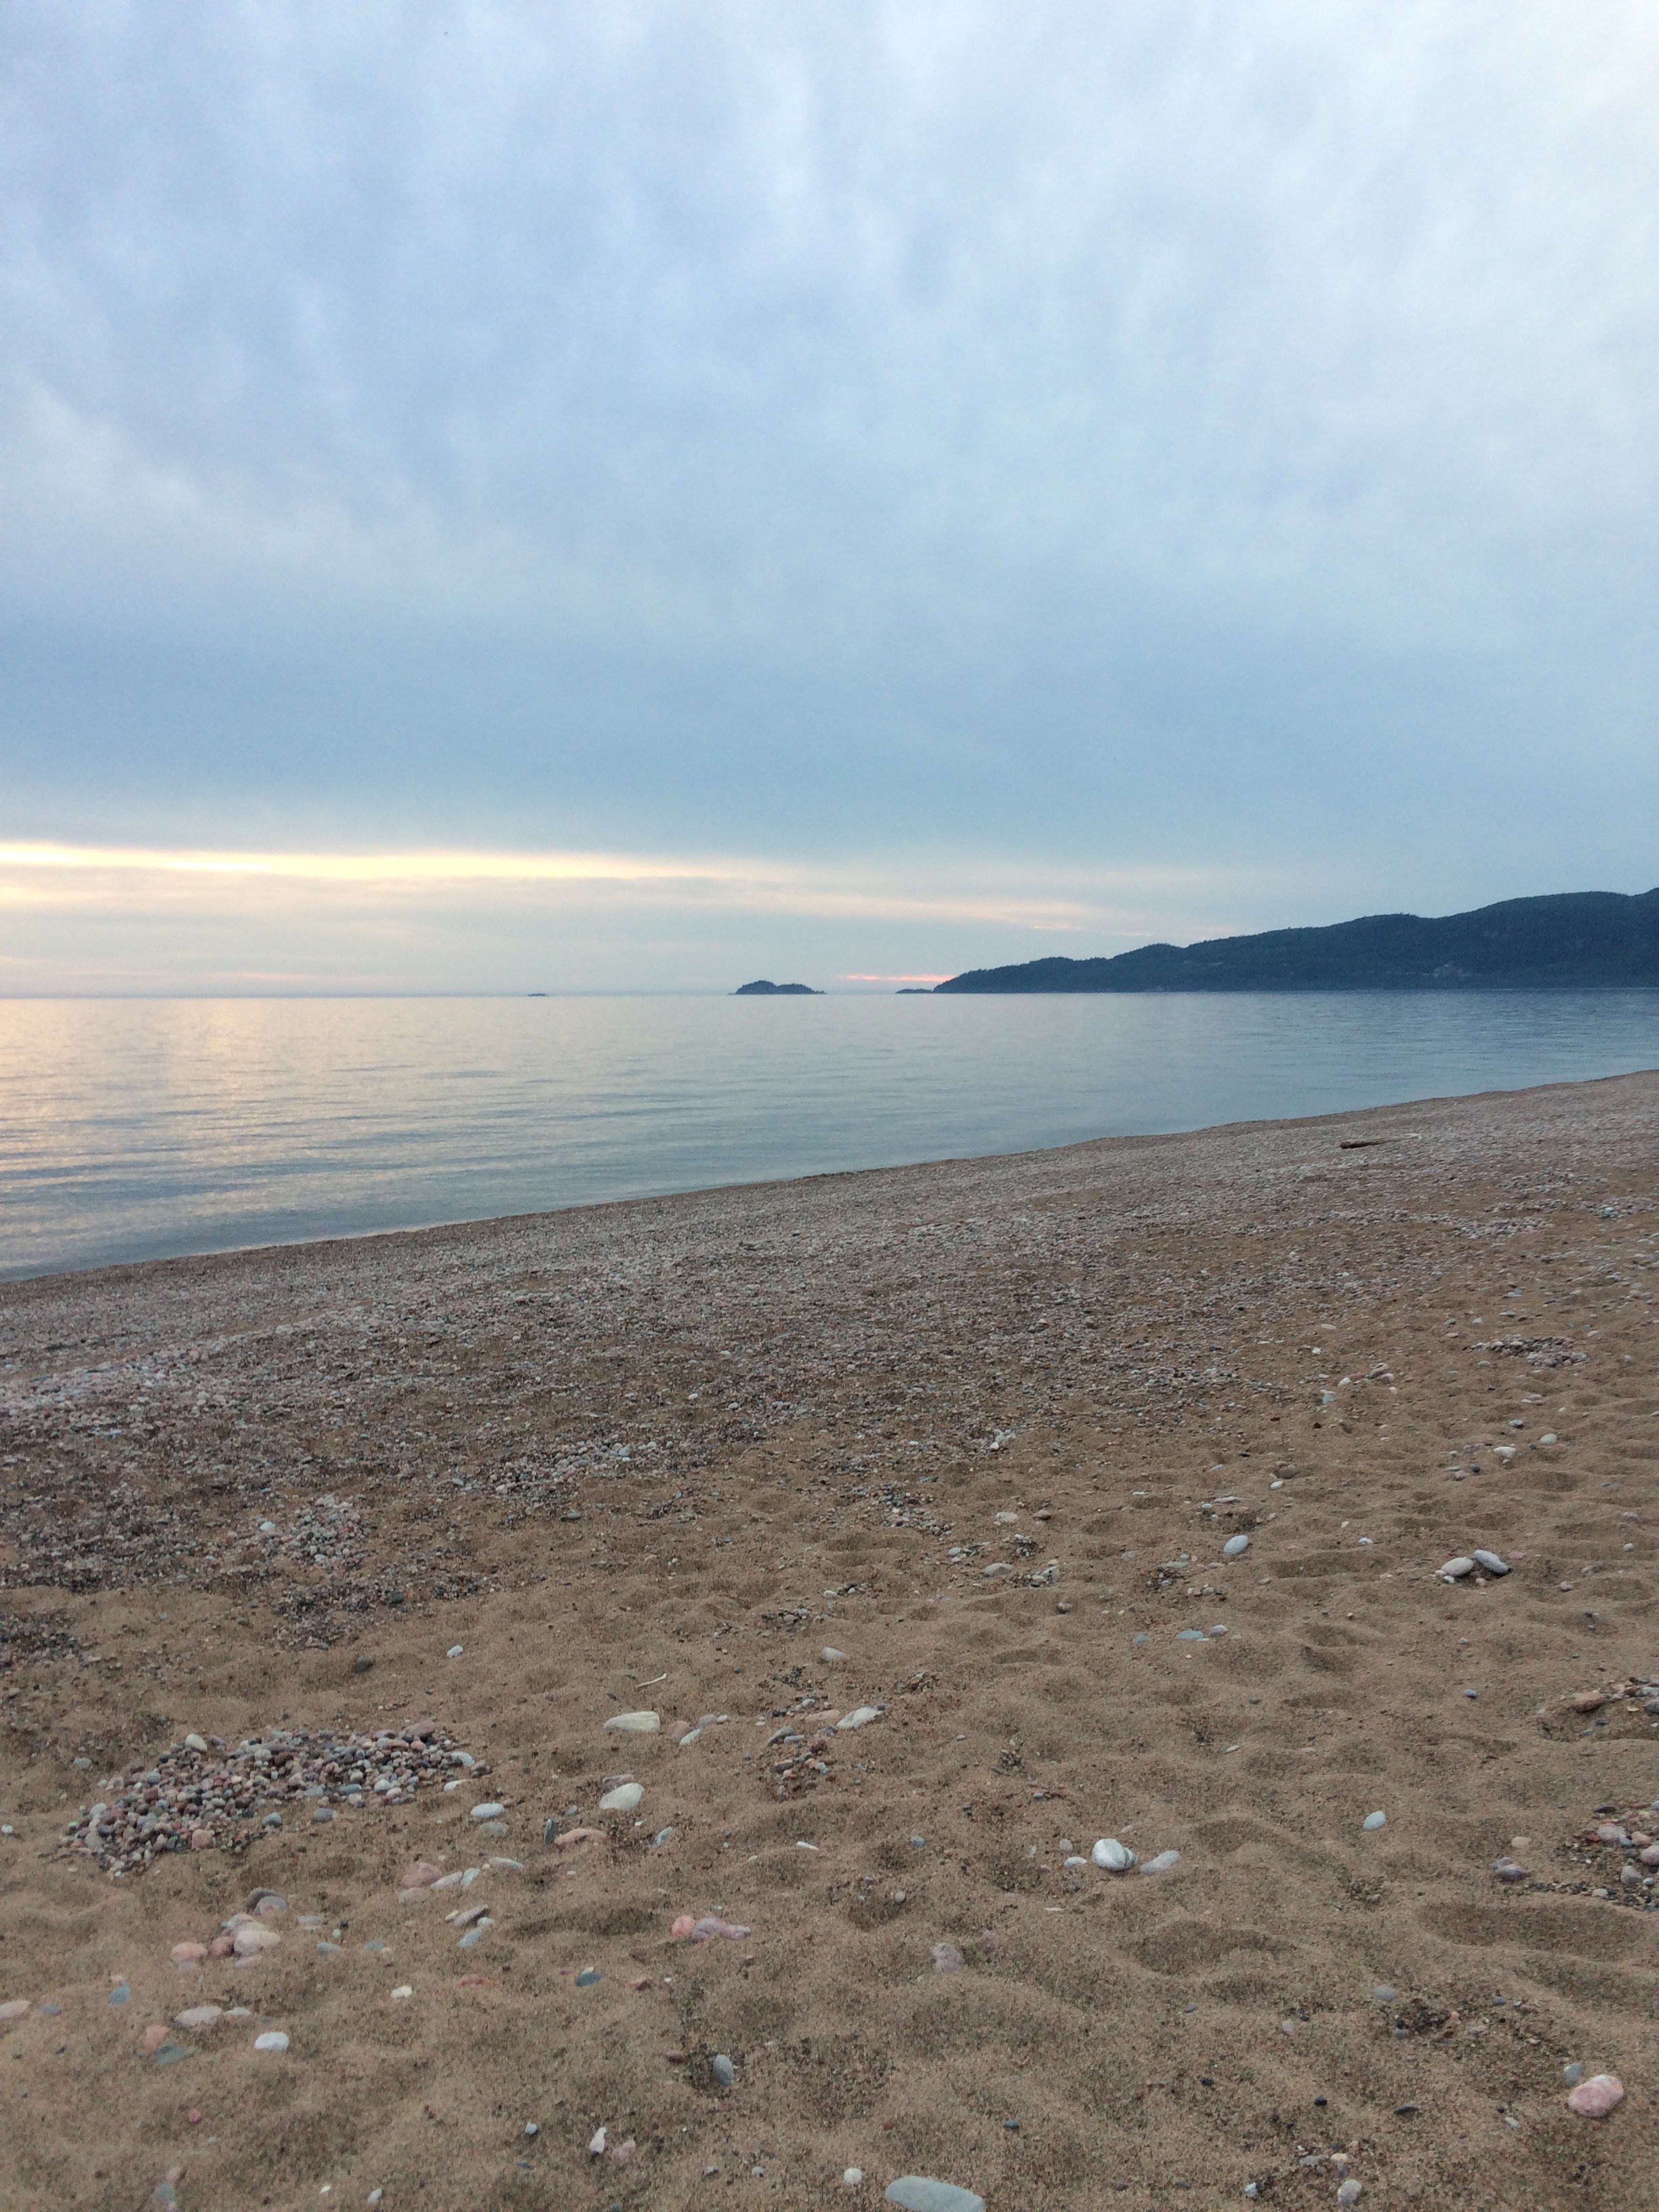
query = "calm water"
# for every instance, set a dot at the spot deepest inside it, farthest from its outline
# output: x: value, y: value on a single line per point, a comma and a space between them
x: 130, y: 1129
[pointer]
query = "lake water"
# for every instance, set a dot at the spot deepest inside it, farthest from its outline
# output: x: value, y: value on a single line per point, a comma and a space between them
x: 130, y: 1129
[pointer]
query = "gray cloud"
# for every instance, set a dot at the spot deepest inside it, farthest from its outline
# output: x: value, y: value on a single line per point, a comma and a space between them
x: 1197, y: 434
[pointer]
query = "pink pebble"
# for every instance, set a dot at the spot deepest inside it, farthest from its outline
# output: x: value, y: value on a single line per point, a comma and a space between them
x: 155, y: 2035
x: 16, y: 2010
x: 734, y: 1931
x: 1597, y: 2096
x: 420, y: 1875
x: 676, y: 1729
x: 683, y: 1927
x: 220, y: 1947
x: 186, y: 1954
x: 201, y: 1839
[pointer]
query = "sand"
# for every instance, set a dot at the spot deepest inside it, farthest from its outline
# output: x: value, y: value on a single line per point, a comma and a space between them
x: 660, y: 1456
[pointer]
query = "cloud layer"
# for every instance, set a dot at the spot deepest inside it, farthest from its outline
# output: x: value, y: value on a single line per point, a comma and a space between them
x: 909, y: 442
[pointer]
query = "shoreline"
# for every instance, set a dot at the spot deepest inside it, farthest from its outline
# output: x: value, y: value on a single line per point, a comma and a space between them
x: 983, y: 1428
x: 484, y: 1222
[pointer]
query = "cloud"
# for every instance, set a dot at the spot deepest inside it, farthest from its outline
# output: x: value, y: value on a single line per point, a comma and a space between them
x: 1168, y: 438
x: 91, y: 918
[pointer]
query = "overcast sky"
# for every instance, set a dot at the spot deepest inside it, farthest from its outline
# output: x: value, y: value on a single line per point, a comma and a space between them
x: 514, y: 496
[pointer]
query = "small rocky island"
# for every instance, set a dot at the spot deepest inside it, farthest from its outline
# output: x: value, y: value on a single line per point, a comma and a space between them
x: 762, y: 989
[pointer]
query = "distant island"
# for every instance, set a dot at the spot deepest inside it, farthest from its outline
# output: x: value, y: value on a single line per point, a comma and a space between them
x: 765, y: 990
x: 1574, y: 940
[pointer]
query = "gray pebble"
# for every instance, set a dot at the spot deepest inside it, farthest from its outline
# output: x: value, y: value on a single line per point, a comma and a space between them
x: 724, y: 2072
x: 1234, y: 1547
x: 914, y: 2192
x: 1455, y: 1569
x: 1491, y: 1563
x: 1383, y: 1993
x: 322, y: 1812
x: 1189, y: 1636
x: 1572, y: 2075
x: 1372, y: 1822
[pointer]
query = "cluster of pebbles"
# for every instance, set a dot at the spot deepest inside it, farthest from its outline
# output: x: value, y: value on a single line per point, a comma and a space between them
x: 202, y: 1795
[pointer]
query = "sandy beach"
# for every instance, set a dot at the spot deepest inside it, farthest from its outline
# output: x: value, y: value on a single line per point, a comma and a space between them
x: 989, y: 1432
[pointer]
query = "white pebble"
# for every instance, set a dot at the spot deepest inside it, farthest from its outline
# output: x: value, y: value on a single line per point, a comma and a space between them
x: 1372, y: 1822
x: 829, y: 1654
x: 455, y: 1650
x: 861, y: 1717
x: 1234, y: 1547
x: 635, y: 1724
x: 489, y: 1810
x: 853, y: 2175
x: 623, y: 1799
x: 403, y: 1989
x: 1162, y: 1863
x: 272, y: 2040
x: 1455, y: 1569
x: 1349, y: 2193
x: 1115, y: 1858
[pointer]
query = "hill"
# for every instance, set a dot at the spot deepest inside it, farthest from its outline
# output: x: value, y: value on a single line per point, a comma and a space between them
x: 764, y: 989
x: 1578, y: 940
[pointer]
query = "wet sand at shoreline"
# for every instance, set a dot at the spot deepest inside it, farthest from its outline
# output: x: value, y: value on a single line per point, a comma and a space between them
x: 985, y: 1429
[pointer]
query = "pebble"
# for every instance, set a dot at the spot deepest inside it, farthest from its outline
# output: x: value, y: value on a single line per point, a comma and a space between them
x: 1115, y: 1858
x: 119, y: 1995
x: 861, y: 1717
x: 476, y: 1933
x: 322, y: 1814
x: 1491, y: 1563
x: 947, y: 1959
x: 634, y: 1723
x: 1594, y: 2099
x: 1162, y: 1863
x: 914, y: 2192
x: 420, y: 1874
x: 187, y: 1954
x: 197, y: 2017
x: 1349, y: 2193
x: 1455, y: 1569
x: 829, y: 1654
x: 455, y: 1651
x: 588, y: 1977
x: 489, y: 1811
x: 168, y: 1805
x: 1373, y: 1821
x: 1234, y: 1547
x: 852, y: 2176
x: 403, y: 1989
x: 251, y: 1938
x: 1508, y: 1870
x: 1383, y: 1993
x: 724, y: 2071
x: 1189, y: 1636
x: 623, y: 1799
x: 1573, y: 2072
x: 15, y: 2009
x: 272, y: 2040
